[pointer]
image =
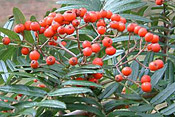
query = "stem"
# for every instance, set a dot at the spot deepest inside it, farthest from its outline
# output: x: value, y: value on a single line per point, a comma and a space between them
x: 78, y: 40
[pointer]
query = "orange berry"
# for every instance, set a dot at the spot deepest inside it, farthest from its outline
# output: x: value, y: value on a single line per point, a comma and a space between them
x: 34, y: 64
x: 126, y: 71
x: 35, y: 26
x: 59, y: 18
x: 101, y: 23
x: 142, y: 32
x: 19, y: 28
x: 145, y: 78
x: 69, y: 29
x: 149, y: 48
x: 75, y: 22
x: 146, y: 87
x: 86, y: 44
x: 131, y: 27
x: 61, y: 30
x: 159, y: 63
x: 114, y: 25
x: 109, y: 14
x: 121, y: 27
x: 95, y: 47
x: 115, y: 17
x: 97, y: 61
x: 103, y: 13
x: 107, y: 42
x: 34, y: 55
x: 101, y: 30
x: 97, y: 75
x: 49, y: 32
x: 155, y: 47
x: 82, y: 12
x: 6, y: 40
x: 155, y: 39
x: 27, y: 25
x: 50, y: 60
x: 148, y: 37
x: 118, y: 78
x: 41, y: 85
x: 25, y: 51
x: 136, y: 29
x: 87, y: 51
x: 153, y: 66
x: 110, y: 50
x: 69, y: 16
x: 73, y: 61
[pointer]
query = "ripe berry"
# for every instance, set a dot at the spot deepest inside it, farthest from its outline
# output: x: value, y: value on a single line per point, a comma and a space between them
x: 35, y: 26
x: 34, y: 55
x: 34, y: 64
x: 75, y: 22
x: 86, y: 44
x: 59, y: 18
x: 131, y: 27
x: 87, y: 18
x: 123, y: 20
x: 41, y: 31
x: 93, y: 80
x: 159, y: 2
x: 61, y: 30
x: 35, y: 80
x: 101, y: 30
x: 98, y: 15
x: 49, y: 20
x: 155, y: 47
x: 25, y: 51
x: 110, y: 50
x: 87, y: 51
x: 142, y: 32
x: 126, y: 71
x: 101, y: 23
x: 69, y: 29
x: 42, y: 23
x: 121, y: 27
x: 114, y: 25
x: 155, y: 39
x: 109, y: 14
x: 52, y: 14
x: 82, y: 12
x: 115, y: 17
x: 55, y: 26
x: 149, y: 48
x: 6, y: 40
x: 118, y: 78
x: 107, y: 42
x: 146, y: 87
x: 41, y: 85
x: 69, y: 16
x: 97, y: 75
x: 79, y: 78
x: 50, y: 60
x: 20, y: 95
x: 27, y: 25
x: 97, y: 61
x: 153, y: 66
x: 136, y: 29
x: 73, y: 61
x: 63, y: 43
x: 95, y: 47
x: 145, y: 78
x: 49, y: 32
x: 93, y: 17
x: 159, y: 63
x: 19, y: 28
x: 103, y: 13
x: 148, y: 37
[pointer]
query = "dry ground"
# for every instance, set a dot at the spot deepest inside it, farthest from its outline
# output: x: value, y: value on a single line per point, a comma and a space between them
x: 37, y: 8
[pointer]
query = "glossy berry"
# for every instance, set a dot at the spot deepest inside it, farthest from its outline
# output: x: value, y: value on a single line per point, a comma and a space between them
x: 118, y: 78
x: 159, y: 2
x: 149, y: 48
x: 101, y: 23
x: 115, y: 17
x: 82, y: 12
x: 75, y: 22
x: 155, y: 39
x: 131, y: 27
x: 93, y: 17
x: 148, y: 37
x: 87, y: 18
x: 145, y: 78
x: 19, y: 28
x: 34, y: 55
x: 114, y: 25
x: 86, y: 44
x: 146, y: 87
x: 93, y: 80
x: 34, y: 64
x: 153, y: 66
x: 55, y: 26
x: 107, y: 42
x: 59, y: 18
x: 69, y: 29
x: 136, y: 29
x: 41, y: 31
x: 73, y: 61
x: 42, y: 23
x: 98, y: 15
x: 87, y: 51
x: 101, y: 30
x: 159, y: 63
x: 6, y: 40
x: 97, y: 75
x: 109, y: 14
x: 79, y: 78
x: 35, y: 26
x: 61, y: 30
x: 50, y: 60
x: 121, y: 27
x: 95, y: 47
x: 142, y: 32
x: 25, y: 51
x: 41, y: 85
x: 126, y: 71
x: 110, y: 50
x: 49, y: 20
x: 123, y: 20
x: 20, y: 95
x: 69, y: 16
x: 155, y: 47
x: 49, y: 32
x: 97, y: 61
x: 103, y: 13
x: 63, y: 43
x: 35, y: 80
x: 27, y: 25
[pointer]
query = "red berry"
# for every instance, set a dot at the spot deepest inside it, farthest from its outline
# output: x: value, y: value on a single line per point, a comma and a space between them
x: 69, y: 16
x: 82, y: 12
x: 123, y: 20
x: 86, y: 44
x: 126, y: 71
x: 97, y: 61
x: 27, y: 25
x: 159, y: 63
x: 69, y: 29
x: 75, y: 22
x: 63, y: 43
x: 34, y: 64
x: 109, y: 14
x: 87, y: 51
x: 155, y: 47
x: 59, y: 18
x: 19, y: 28
x: 101, y: 23
x: 107, y: 42
x: 41, y: 31
x: 35, y: 80
x: 41, y: 85
x: 6, y: 40
x: 93, y: 17
x: 97, y: 75
x: 34, y: 55
x: 149, y: 48
x: 115, y: 17
x: 121, y: 27
x: 131, y: 27
x: 55, y: 26
x: 118, y: 78
x: 53, y: 14
x: 20, y: 95
x: 49, y: 32
x: 155, y: 39
x: 146, y: 87
x: 50, y: 60
x: 103, y: 13
x: 145, y: 78
x: 110, y: 50
x: 42, y: 23
x: 87, y: 18
x: 148, y: 37
x: 93, y: 80
x: 159, y: 2
x: 101, y: 30
x: 79, y: 78
x: 114, y: 25
x: 73, y: 61
x: 49, y: 20
x: 98, y: 15
x: 25, y: 51
x: 136, y: 29
x: 153, y: 66
x: 61, y: 30
x: 95, y: 47
x: 35, y: 26
x: 142, y: 32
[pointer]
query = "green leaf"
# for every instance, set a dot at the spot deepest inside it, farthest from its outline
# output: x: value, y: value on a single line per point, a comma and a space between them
x: 5, y: 105
x: 19, y: 17
x: 135, y: 17
x: 130, y: 96
x: 10, y: 65
x: 163, y: 95
x: 12, y: 35
x: 3, y: 69
x: 89, y: 66
x: 135, y: 72
x: 119, y: 52
x: 8, y: 25
x: 69, y: 90
x: 2, y: 97
x: 169, y: 110
x: 121, y: 113
x: 29, y: 111
x: 158, y: 75
x: 141, y: 108
x: 171, y: 71
x: 124, y: 38
x: 22, y: 89
x: 81, y: 83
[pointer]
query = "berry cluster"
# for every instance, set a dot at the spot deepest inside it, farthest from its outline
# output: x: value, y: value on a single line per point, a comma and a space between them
x: 57, y: 27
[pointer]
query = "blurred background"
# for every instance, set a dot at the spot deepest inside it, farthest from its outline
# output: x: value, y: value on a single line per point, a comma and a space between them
x: 37, y: 8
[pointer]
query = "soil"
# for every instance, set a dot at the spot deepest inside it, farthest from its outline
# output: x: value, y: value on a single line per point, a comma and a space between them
x: 37, y: 8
